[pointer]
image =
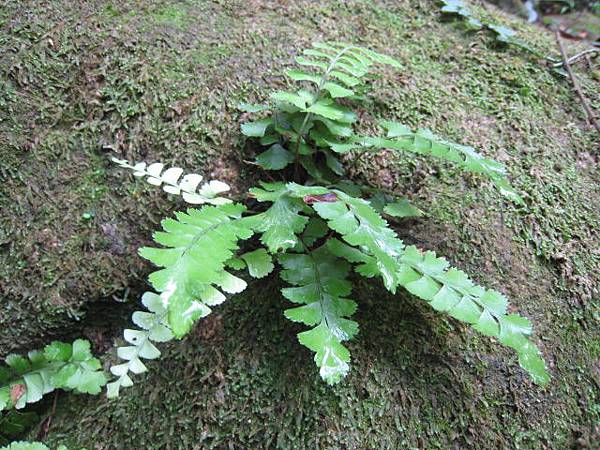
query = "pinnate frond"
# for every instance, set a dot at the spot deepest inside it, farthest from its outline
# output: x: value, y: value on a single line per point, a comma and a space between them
x: 340, y: 71
x: 196, y: 246
x: 172, y: 182
x: 59, y: 365
x: 153, y: 328
x: 380, y: 252
x: 321, y: 287
x: 425, y: 142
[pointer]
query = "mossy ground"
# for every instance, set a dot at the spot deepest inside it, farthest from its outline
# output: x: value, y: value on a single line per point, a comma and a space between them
x: 159, y: 80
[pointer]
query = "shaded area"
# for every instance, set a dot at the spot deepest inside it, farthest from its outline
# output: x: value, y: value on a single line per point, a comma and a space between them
x: 159, y: 80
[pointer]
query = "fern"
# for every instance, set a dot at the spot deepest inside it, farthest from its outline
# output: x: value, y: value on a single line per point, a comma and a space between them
x: 23, y: 445
x: 154, y: 328
x: 58, y: 366
x: 174, y: 183
x: 425, y: 142
x: 317, y: 233
x: 321, y: 283
x: 196, y: 246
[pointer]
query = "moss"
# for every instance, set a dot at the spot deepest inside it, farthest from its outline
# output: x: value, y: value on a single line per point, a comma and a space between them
x: 159, y: 80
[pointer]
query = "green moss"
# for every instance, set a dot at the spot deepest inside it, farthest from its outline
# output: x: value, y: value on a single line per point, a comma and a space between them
x: 159, y: 80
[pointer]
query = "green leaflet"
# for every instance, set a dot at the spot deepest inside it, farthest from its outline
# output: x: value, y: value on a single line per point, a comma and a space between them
x: 259, y: 263
x: 276, y: 158
x: 154, y: 328
x: 256, y: 128
x: 321, y: 287
x: 58, y: 366
x: 196, y: 246
x: 392, y: 206
x: 281, y: 223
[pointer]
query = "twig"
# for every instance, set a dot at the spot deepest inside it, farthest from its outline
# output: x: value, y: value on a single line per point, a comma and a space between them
x: 573, y: 59
x: 584, y: 103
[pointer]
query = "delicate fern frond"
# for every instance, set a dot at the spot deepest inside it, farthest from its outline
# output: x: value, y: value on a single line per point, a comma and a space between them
x: 425, y: 142
x: 59, y: 366
x: 173, y: 183
x: 450, y: 290
x: 196, y: 246
x: 321, y: 288
x: 422, y: 274
x: 304, y: 113
x: 154, y: 328
x: 344, y: 62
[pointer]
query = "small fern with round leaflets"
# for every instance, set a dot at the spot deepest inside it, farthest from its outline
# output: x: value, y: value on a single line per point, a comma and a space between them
x: 317, y: 228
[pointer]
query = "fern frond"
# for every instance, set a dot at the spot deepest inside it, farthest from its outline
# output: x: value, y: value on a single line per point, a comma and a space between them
x: 154, y: 328
x: 425, y: 142
x: 345, y: 62
x: 380, y: 252
x: 450, y: 290
x: 296, y: 114
x: 321, y: 288
x: 173, y: 183
x: 25, y: 445
x: 59, y: 366
x: 196, y: 246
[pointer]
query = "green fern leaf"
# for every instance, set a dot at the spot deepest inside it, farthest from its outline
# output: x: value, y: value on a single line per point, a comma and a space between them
x: 258, y: 128
x: 423, y: 141
x: 276, y: 158
x: 321, y: 288
x: 447, y: 289
x: 196, y: 247
x: 281, y: 223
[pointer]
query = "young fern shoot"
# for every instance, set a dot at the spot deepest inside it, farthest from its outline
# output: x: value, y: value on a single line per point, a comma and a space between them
x: 317, y: 228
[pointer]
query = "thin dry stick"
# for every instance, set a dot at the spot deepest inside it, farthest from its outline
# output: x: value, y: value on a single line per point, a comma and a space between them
x: 584, y: 103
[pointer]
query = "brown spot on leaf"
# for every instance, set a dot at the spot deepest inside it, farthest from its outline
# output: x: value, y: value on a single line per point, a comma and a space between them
x: 330, y: 197
x: 16, y: 392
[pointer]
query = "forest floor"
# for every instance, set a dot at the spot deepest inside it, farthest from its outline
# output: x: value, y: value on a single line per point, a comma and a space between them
x: 158, y: 80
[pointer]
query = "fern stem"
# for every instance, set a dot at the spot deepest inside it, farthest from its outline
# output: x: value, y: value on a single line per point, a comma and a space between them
x: 308, y: 116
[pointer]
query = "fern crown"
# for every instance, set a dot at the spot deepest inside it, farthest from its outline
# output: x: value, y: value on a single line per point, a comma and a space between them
x: 317, y: 229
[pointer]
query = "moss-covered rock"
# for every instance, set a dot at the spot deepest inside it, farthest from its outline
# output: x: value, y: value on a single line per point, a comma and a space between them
x: 158, y: 80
